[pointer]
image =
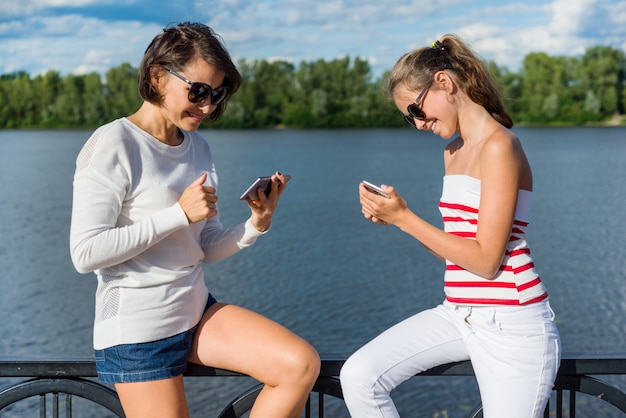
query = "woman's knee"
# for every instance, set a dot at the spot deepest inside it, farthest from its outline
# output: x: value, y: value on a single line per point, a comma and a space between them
x: 310, y: 359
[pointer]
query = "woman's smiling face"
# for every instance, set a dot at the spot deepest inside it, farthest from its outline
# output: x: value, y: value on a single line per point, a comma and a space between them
x: 176, y: 107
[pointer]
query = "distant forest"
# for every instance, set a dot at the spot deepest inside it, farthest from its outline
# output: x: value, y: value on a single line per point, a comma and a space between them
x: 547, y: 91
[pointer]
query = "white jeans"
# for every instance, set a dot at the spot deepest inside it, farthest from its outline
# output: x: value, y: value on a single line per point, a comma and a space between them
x: 515, y: 352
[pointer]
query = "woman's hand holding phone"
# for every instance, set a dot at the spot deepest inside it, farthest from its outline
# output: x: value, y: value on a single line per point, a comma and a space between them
x: 262, y: 198
x: 264, y: 183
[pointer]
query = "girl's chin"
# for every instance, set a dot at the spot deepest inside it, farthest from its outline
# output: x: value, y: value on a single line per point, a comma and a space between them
x: 443, y: 134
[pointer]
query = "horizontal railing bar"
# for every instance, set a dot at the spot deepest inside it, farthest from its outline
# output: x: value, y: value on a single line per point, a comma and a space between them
x: 47, y: 367
x: 572, y: 364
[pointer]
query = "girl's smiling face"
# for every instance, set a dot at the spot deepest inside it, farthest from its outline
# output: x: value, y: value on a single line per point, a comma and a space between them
x: 437, y: 106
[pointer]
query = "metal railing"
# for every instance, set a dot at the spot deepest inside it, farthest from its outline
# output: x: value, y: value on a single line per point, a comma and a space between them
x: 55, y: 382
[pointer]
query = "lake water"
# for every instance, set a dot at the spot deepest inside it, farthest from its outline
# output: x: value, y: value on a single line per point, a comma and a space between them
x: 324, y: 271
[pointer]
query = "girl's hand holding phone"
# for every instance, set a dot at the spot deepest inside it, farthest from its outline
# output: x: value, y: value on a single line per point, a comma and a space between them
x: 380, y: 205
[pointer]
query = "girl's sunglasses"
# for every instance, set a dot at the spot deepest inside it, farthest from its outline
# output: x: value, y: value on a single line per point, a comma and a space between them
x: 415, y: 111
x: 200, y: 91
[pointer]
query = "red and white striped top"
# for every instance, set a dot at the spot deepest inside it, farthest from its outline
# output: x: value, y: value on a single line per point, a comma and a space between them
x: 517, y: 282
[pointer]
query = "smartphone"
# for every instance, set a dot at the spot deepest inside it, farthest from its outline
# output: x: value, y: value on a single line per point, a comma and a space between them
x: 375, y: 189
x: 264, y: 182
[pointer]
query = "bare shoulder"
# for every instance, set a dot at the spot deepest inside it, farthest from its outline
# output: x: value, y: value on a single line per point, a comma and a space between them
x: 502, y: 151
x: 502, y: 143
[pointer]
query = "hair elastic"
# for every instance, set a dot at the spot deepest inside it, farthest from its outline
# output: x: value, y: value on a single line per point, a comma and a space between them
x: 437, y: 45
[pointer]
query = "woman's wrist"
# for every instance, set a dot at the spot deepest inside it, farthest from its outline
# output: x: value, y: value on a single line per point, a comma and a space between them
x: 261, y: 225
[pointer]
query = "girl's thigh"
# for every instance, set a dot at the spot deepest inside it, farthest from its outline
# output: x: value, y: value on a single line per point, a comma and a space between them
x: 516, y: 355
x: 416, y: 344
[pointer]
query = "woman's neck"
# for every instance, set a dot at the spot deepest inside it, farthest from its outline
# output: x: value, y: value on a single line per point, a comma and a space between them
x: 150, y: 120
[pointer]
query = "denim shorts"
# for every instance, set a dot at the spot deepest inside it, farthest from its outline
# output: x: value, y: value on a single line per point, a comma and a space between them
x: 142, y: 362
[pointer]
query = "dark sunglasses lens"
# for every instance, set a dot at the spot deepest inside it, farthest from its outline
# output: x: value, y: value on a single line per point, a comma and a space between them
x: 416, y: 112
x: 198, y: 92
x: 219, y: 95
x: 409, y: 119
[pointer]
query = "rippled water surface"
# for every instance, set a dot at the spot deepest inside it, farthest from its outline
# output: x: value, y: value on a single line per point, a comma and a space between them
x: 324, y: 271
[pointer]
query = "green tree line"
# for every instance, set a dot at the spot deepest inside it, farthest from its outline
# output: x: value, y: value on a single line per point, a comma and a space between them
x: 341, y: 93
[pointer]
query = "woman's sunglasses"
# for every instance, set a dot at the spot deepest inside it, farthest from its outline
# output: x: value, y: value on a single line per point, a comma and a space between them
x: 200, y: 91
x: 415, y: 111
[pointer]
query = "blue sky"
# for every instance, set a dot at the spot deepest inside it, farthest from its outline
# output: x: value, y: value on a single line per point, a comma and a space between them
x: 82, y: 36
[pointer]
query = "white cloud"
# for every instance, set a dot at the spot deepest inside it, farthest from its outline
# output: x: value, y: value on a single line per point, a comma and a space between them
x: 37, y: 38
x: 566, y: 16
x: 618, y: 13
x: 73, y: 44
x: 10, y: 8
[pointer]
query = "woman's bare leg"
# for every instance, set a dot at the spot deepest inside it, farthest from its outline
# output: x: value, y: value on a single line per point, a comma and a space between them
x: 158, y: 398
x: 237, y: 339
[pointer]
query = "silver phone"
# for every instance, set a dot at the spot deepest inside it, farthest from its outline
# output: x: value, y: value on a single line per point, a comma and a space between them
x: 375, y: 189
x: 264, y: 182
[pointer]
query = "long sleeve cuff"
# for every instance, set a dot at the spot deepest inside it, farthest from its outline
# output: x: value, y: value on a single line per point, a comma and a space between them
x: 250, y: 234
